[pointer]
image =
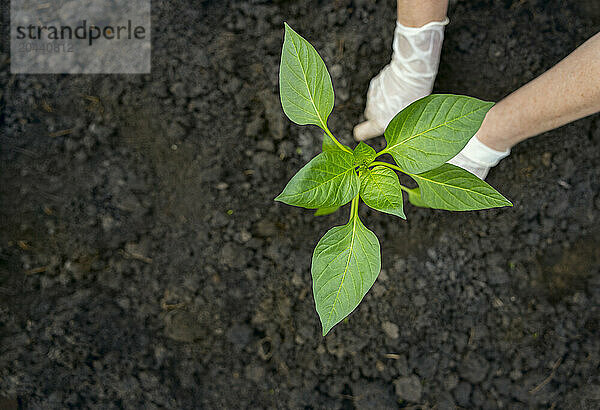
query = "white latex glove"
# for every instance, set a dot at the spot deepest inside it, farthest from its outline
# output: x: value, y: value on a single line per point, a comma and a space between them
x: 408, y: 77
x: 478, y: 158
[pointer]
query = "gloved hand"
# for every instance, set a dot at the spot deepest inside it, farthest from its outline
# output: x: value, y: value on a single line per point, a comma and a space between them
x: 408, y: 77
x: 478, y: 158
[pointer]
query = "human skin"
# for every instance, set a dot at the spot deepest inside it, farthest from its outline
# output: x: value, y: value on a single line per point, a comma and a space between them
x: 568, y: 91
x: 417, y: 13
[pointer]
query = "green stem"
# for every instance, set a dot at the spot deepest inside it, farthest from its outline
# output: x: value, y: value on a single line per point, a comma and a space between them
x: 386, y: 164
x: 392, y: 166
x: 340, y: 146
x: 353, y: 208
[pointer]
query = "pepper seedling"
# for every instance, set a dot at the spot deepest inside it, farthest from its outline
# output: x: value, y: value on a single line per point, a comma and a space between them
x: 420, y: 139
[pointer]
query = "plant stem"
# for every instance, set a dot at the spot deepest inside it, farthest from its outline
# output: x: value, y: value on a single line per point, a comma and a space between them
x: 340, y: 146
x: 394, y: 167
x: 386, y: 164
x: 353, y: 208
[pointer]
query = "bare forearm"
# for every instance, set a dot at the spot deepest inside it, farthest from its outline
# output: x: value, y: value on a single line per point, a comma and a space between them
x: 417, y: 13
x: 568, y: 91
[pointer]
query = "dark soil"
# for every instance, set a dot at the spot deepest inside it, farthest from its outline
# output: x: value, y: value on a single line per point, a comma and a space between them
x: 144, y: 264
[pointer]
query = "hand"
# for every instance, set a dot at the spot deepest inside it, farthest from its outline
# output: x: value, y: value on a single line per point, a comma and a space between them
x: 478, y: 158
x: 408, y: 77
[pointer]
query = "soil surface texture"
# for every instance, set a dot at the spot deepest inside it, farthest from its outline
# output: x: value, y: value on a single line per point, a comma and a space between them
x: 144, y: 263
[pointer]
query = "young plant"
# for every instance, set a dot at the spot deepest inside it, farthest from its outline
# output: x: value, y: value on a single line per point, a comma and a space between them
x: 420, y: 139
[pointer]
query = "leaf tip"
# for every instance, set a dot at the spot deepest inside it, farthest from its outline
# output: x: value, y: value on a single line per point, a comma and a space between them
x: 396, y: 212
x: 326, y: 323
x: 287, y: 27
x: 504, y: 201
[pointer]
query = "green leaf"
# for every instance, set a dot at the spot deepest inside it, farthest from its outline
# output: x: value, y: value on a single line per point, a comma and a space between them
x: 432, y: 130
x: 304, y: 83
x: 414, y: 197
x: 452, y: 188
x: 345, y: 264
x: 329, y: 145
x: 326, y: 211
x: 364, y: 154
x: 380, y: 189
x: 328, y: 180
